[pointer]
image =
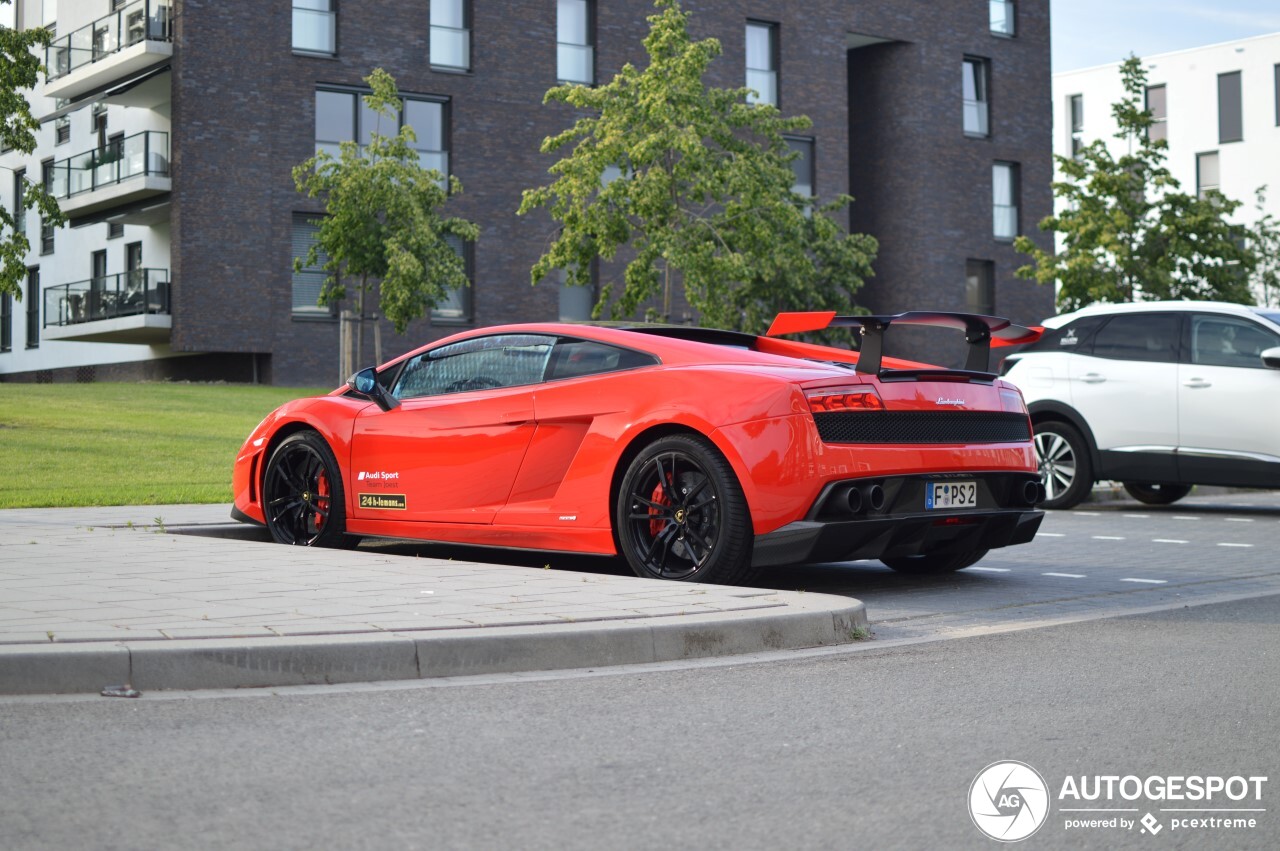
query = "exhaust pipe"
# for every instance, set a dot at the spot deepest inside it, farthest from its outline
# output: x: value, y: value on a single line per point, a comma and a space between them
x: 1032, y: 492
x: 873, y: 497
x: 854, y: 499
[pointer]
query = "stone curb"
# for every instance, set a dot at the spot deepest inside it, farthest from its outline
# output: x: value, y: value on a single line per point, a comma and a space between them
x: 807, y: 620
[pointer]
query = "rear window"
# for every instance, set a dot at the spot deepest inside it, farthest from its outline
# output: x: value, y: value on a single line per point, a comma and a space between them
x: 1076, y: 336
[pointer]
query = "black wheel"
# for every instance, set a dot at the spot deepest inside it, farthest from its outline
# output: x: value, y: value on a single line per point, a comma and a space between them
x: 935, y: 562
x: 302, y: 495
x: 681, y: 514
x: 1065, y: 467
x: 1157, y: 494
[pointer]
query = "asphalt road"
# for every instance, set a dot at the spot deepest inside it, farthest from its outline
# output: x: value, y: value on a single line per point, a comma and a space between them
x: 874, y: 745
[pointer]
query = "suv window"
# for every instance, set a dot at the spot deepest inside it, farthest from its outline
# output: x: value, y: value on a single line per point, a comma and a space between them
x: 505, y: 360
x: 1075, y: 337
x: 1139, y: 337
x: 1227, y: 341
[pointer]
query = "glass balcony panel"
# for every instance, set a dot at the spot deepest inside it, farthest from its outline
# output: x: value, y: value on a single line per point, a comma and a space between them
x: 574, y: 63
x: 313, y: 31
x: 141, y: 154
x: 1005, y: 221
x: 450, y: 48
x: 126, y: 26
x: 975, y: 117
x: 132, y: 293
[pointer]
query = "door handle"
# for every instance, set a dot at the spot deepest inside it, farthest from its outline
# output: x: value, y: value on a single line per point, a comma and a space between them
x: 1093, y: 378
x: 1197, y: 383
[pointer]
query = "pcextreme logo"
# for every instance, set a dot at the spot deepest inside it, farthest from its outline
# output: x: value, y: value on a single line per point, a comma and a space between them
x: 1008, y: 801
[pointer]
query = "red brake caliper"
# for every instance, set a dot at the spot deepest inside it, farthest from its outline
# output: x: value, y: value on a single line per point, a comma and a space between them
x: 659, y: 496
x: 322, y: 491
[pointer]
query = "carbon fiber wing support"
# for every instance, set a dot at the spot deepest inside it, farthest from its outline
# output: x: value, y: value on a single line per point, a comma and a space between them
x: 980, y: 332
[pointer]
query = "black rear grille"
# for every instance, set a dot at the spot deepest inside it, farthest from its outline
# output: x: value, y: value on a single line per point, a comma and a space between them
x: 922, y: 427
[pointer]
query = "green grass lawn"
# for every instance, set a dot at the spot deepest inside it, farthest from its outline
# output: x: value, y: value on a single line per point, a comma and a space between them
x: 125, y: 444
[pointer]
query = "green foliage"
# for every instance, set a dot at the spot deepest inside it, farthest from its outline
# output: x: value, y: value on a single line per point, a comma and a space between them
x: 704, y: 194
x: 383, y: 227
x: 1264, y: 239
x: 19, y: 73
x: 1128, y: 232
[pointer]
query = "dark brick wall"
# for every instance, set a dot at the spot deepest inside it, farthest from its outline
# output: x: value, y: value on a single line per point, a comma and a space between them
x: 887, y: 125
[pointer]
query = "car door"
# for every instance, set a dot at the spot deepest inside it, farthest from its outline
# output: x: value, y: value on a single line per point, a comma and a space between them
x: 1126, y: 389
x: 450, y: 452
x: 1228, y: 403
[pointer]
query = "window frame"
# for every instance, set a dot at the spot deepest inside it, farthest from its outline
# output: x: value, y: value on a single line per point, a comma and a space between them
x: 33, y: 307
x: 1015, y: 197
x: 465, y: 295
x: 1201, y: 187
x: 1011, y: 7
x: 775, y: 61
x: 982, y: 101
x: 356, y: 103
x: 986, y: 282
x: 332, y: 12
x: 314, y: 312
x: 1159, y: 128
x: 1075, y: 124
x: 465, y: 30
x: 1235, y: 99
x: 6, y: 322
x: 589, y: 8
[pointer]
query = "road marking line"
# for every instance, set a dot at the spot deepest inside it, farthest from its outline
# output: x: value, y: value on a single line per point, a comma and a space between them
x: 992, y: 569
x: 1066, y: 575
x: 1086, y: 513
x: 1050, y: 535
x: 1239, y: 519
x: 1235, y: 545
x: 1107, y: 538
x: 1168, y: 541
x: 1146, y: 581
x: 1184, y: 517
x: 1139, y: 516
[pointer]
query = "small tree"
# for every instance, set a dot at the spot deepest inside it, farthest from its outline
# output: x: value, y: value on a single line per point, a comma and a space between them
x: 704, y: 195
x: 383, y: 227
x: 1264, y: 239
x: 19, y: 70
x: 1128, y: 233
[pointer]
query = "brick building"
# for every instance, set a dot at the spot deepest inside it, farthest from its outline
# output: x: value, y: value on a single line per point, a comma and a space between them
x: 169, y: 129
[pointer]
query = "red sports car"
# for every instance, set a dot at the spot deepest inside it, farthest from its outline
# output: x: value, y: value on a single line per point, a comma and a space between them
x: 695, y: 454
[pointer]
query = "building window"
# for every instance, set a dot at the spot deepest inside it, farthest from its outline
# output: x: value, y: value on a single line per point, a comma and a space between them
x: 1004, y: 199
x: 308, y: 282
x: 62, y: 130
x: 975, y: 97
x: 802, y: 167
x: 6, y: 323
x: 20, y: 201
x: 341, y: 116
x: 115, y: 230
x: 1230, y: 127
x: 455, y: 307
x: 980, y: 287
x: 762, y: 62
x: 576, y: 302
x: 1158, y: 106
x: 33, y: 307
x: 1277, y: 94
x: 1207, y: 176
x: 315, y: 27
x: 46, y: 228
x: 575, y: 40
x: 450, y: 35
x: 1002, y: 17
x: 1076, y: 108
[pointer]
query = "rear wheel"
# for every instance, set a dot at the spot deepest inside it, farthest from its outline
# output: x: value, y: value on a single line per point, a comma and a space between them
x: 681, y: 514
x: 935, y: 562
x: 302, y: 495
x: 1065, y: 467
x: 1157, y: 494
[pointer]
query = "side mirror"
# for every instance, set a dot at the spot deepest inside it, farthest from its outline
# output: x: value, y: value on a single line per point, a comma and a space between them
x: 365, y: 385
x: 1271, y: 357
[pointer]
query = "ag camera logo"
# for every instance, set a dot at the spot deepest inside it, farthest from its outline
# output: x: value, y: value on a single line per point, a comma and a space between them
x: 1008, y: 801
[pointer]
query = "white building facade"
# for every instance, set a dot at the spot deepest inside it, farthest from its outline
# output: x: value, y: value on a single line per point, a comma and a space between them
x: 1217, y: 106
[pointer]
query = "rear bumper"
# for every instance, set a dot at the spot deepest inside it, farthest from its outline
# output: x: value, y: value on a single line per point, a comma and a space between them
x: 902, y: 535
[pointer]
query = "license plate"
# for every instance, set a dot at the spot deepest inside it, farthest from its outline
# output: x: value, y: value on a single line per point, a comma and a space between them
x: 950, y: 495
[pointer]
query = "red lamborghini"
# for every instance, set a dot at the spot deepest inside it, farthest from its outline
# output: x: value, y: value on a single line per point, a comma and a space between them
x: 695, y: 454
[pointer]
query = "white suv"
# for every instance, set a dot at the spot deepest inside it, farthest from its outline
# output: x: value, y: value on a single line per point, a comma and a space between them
x: 1157, y: 395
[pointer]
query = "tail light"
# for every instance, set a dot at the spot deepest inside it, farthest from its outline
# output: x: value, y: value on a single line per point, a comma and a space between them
x: 834, y: 399
x: 1011, y: 401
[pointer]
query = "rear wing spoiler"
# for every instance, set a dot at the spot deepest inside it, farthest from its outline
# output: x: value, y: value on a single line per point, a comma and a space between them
x: 980, y: 332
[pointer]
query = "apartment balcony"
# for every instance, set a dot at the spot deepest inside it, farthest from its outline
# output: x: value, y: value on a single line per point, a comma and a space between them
x: 126, y: 171
x: 130, y: 39
x: 131, y: 307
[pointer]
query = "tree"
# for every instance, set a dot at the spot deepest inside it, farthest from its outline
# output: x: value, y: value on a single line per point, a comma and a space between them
x: 19, y: 70
x: 383, y: 227
x: 703, y: 197
x: 1264, y: 239
x: 1128, y: 233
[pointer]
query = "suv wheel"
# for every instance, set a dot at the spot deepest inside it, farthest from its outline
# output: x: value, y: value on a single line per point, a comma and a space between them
x: 1065, y: 467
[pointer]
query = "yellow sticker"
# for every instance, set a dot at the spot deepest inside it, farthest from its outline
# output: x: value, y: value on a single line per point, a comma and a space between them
x: 392, y: 501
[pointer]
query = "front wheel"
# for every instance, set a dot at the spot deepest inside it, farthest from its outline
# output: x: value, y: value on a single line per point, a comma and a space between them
x: 1157, y: 494
x: 1065, y: 467
x: 681, y: 514
x: 302, y: 495
x: 935, y: 562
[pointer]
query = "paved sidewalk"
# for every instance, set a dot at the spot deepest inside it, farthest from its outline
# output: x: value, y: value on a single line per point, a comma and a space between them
x: 97, y: 597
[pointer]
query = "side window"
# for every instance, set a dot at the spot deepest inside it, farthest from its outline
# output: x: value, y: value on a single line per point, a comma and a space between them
x: 507, y: 360
x: 1225, y: 341
x: 1139, y: 337
x: 573, y: 358
x: 1074, y: 338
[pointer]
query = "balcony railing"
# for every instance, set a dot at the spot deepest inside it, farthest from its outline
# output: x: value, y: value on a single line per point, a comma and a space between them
x: 141, y: 20
x: 139, y: 155
x: 107, y: 297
